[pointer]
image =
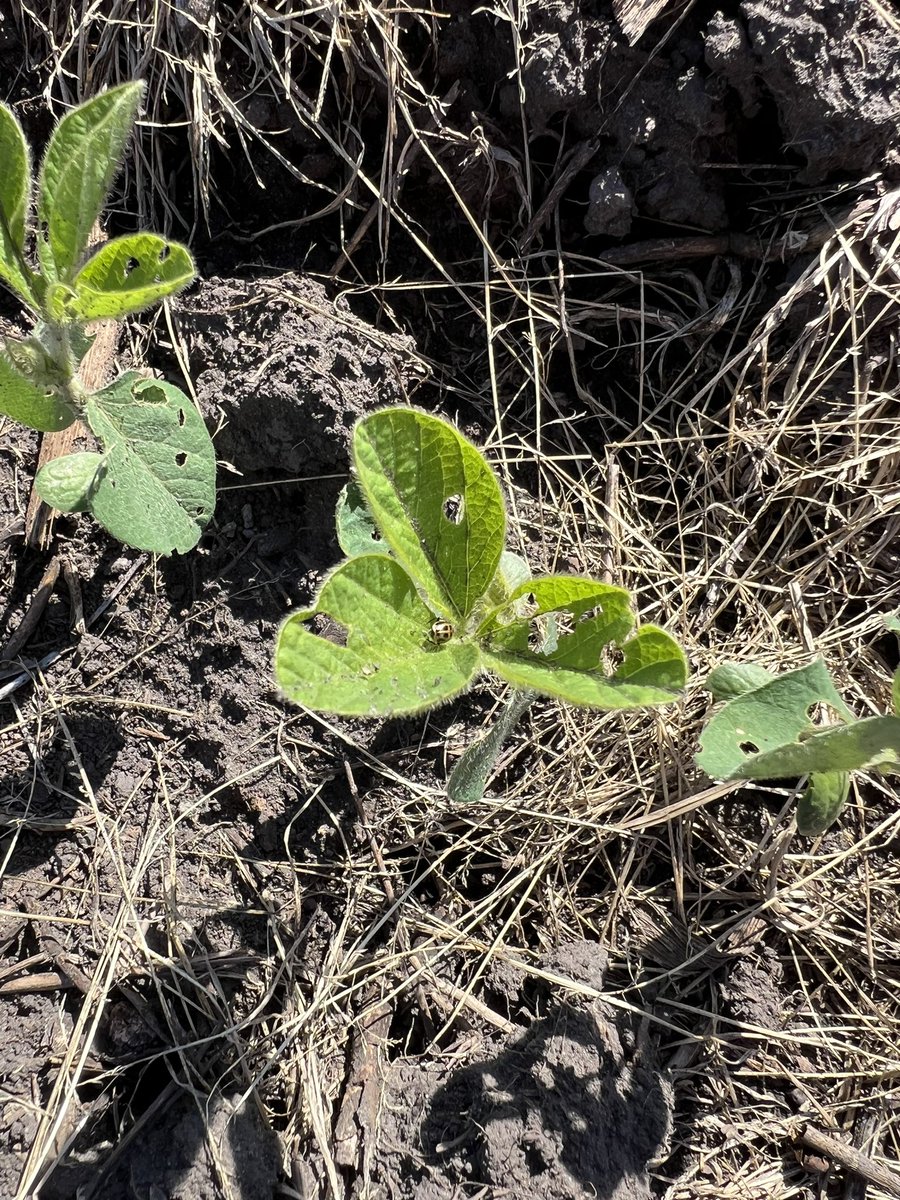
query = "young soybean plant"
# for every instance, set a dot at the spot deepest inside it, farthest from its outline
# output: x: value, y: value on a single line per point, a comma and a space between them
x: 152, y: 485
x: 428, y: 600
x: 764, y: 731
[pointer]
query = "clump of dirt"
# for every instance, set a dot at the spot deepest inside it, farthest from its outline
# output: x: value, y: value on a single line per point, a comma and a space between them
x: 832, y: 70
x: 570, y: 1106
x: 221, y: 1148
x: 753, y: 990
x: 660, y: 119
x: 287, y: 370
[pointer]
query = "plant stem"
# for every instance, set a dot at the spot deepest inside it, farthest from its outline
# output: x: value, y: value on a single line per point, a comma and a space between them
x: 469, y: 777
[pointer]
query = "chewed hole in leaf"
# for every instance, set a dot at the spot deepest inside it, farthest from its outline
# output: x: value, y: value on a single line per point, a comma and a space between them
x: 525, y: 606
x: 539, y: 640
x: 150, y: 393
x: 565, y: 622
x: 131, y: 265
x: 182, y: 417
x: 590, y: 613
x: 453, y: 509
x: 326, y: 627
x: 748, y: 748
x: 164, y: 254
x: 180, y: 459
x: 612, y: 658
x: 369, y: 670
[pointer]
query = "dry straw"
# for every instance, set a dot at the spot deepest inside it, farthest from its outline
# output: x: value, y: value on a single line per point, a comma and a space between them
x: 747, y: 492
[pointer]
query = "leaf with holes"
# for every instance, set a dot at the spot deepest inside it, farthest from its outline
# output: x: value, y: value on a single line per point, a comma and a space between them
x: 157, y: 489
x: 591, y: 619
x: 82, y: 158
x: 441, y: 602
x: 386, y: 664
x: 127, y: 275
x: 773, y: 714
x: 767, y: 732
x: 68, y: 483
x: 873, y: 742
x: 436, y: 503
x: 39, y: 408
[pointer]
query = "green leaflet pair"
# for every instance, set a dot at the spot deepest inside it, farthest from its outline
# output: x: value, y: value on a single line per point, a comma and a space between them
x: 765, y: 730
x: 153, y: 483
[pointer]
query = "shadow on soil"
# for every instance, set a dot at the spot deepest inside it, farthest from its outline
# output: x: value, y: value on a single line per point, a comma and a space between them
x: 560, y: 1100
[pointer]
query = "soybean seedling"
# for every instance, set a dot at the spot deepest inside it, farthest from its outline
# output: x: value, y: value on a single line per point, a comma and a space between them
x: 428, y: 601
x: 764, y: 731
x: 152, y: 484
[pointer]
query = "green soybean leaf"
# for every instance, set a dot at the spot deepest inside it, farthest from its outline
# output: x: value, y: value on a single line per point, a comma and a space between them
x: 15, y: 182
x: 84, y: 153
x: 39, y: 408
x: 157, y: 491
x: 767, y: 717
x: 356, y: 530
x: 389, y: 665
x: 821, y: 803
x: 67, y: 483
x: 892, y: 622
x: 590, y: 617
x: 652, y: 657
x: 871, y: 743
x: 436, y: 503
x: 733, y: 679
x: 15, y: 190
x: 895, y: 693
x: 127, y: 275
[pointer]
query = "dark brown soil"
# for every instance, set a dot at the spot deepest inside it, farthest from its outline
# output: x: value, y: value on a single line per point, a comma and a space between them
x: 521, y: 1114
x: 162, y: 718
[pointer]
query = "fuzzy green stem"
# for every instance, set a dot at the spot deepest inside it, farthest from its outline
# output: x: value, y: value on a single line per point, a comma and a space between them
x: 469, y: 777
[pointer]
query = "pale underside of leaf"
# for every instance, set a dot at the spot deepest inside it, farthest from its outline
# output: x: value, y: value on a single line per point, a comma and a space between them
x: 157, y: 491
x: 436, y: 503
